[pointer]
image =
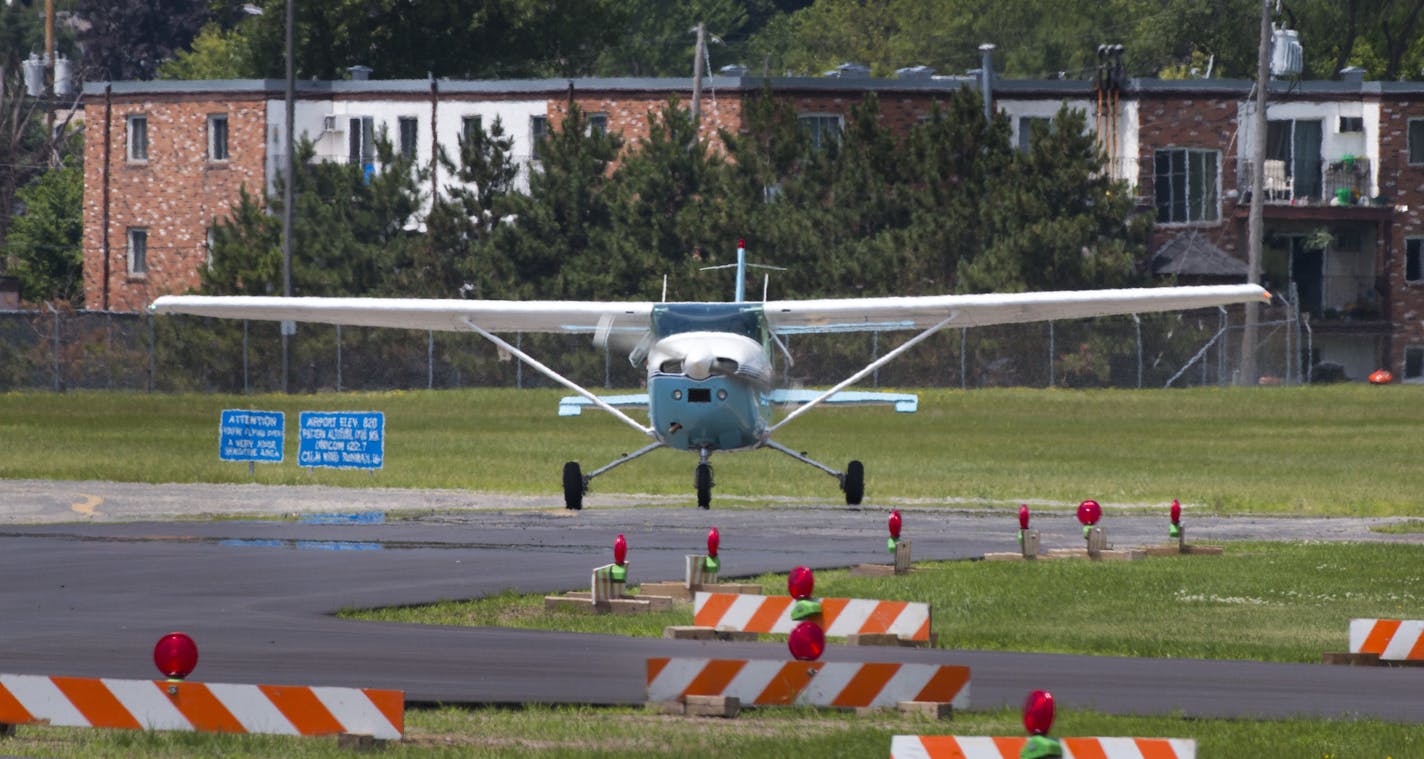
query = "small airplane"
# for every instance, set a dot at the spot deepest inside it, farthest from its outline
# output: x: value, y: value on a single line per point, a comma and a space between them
x: 710, y: 378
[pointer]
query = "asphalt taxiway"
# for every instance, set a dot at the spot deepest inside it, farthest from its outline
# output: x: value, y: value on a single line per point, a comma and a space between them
x: 92, y: 574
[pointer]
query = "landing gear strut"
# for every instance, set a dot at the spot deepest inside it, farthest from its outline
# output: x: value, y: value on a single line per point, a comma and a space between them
x: 852, y: 480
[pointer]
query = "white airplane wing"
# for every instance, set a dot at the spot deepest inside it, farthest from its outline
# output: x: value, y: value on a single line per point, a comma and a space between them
x: 886, y: 314
x: 577, y: 317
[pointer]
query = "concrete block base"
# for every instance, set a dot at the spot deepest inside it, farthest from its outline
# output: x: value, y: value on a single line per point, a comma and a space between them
x: 680, y: 592
x: 583, y: 602
x: 1111, y: 554
x: 888, y: 639
x: 931, y: 709
x: 1351, y: 660
x: 725, y: 707
x: 1173, y: 549
x: 695, y: 632
x: 359, y: 743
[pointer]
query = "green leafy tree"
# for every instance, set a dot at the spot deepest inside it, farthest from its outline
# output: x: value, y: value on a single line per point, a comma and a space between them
x: 216, y: 53
x: 566, y: 214
x: 47, y: 239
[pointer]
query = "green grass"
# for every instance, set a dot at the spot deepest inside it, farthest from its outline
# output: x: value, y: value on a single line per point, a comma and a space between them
x: 770, y: 733
x: 1287, y: 602
x: 1338, y: 450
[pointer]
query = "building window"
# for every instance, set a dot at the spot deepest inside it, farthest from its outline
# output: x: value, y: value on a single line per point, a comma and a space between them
x: 1185, y: 185
x: 138, y: 138
x: 823, y: 128
x: 217, y: 137
x: 138, y: 251
x: 1416, y: 140
x: 538, y: 129
x: 598, y: 123
x: 361, y: 138
x: 470, y: 126
x: 1414, y: 259
x: 409, y: 133
x: 1352, y: 124
x: 1414, y: 363
x: 1296, y: 144
x: 1026, y: 127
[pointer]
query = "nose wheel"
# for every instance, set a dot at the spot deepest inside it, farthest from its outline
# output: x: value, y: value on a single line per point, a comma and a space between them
x: 853, y: 483
x: 574, y: 486
x: 703, y: 481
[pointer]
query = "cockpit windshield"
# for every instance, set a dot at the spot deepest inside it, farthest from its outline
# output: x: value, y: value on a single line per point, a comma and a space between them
x: 744, y: 319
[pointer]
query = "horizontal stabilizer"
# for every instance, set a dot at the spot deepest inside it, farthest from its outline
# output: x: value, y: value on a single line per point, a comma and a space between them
x: 905, y: 403
x: 573, y: 405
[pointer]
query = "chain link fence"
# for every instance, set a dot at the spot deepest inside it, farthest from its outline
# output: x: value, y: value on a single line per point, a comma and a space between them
x: 58, y: 350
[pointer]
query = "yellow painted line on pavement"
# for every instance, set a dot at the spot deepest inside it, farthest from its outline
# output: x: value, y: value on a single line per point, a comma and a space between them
x: 89, y: 507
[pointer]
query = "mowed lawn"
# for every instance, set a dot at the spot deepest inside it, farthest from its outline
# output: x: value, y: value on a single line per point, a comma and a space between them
x: 1340, y: 450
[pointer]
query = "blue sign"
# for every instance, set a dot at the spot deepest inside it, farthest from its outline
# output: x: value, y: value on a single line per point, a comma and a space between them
x: 342, y: 439
x: 252, y: 436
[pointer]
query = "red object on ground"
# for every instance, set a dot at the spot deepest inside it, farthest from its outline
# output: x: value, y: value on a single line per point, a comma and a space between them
x: 1381, y: 377
x: 1038, y: 712
x: 800, y: 583
x: 1023, y: 516
x: 714, y: 539
x: 895, y: 524
x: 1176, y: 511
x: 175, y: 655
x: 1089, y: 512
x: 807, y: 641
x: 620, y: 550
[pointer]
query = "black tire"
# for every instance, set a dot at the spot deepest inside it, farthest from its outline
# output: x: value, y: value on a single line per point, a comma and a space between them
x: 573, y: 486
x: 854, y: 483
x: 703, y: 480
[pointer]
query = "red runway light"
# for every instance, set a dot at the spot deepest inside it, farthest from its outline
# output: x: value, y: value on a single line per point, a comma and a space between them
x: 1023, y: 516
x: 714, y: 539
x: 895, y: 524
x: 807, y: 641
x: 1038, y: 712
x: 1089, y: 512
x: 800, y: 582
x: 175, y: 655
x: 1176, y: 511
x: 620, y: 550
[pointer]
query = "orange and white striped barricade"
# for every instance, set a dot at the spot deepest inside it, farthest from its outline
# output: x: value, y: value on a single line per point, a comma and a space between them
x: 1391, y: 639
x: 201, y: 707
x: 996, y: 747
x: 807, y: 683
x: 840, y: 617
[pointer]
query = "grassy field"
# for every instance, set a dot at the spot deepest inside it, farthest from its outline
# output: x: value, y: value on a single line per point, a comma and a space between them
x: 1340, y: 450
x: 1286, y: 602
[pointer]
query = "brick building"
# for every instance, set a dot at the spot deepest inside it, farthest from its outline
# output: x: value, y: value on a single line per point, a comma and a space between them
x: 1344, y: 173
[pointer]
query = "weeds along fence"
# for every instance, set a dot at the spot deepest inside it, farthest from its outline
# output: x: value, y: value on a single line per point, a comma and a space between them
x: 58, y: 350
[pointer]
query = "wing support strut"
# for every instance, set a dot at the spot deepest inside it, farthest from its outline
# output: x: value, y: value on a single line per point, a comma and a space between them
x: 559, y: 378
x: 854, y: 378
x: 625, y: 458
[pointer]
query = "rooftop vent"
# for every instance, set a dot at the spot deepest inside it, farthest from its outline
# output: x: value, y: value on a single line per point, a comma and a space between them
x: 849, y: 71
x: 359, y: 73
x: 733, y: 69
x: 915, y: 72
x: 1352, y: 75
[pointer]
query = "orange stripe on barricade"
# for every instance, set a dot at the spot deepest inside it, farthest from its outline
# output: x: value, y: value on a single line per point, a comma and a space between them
x: 93, y: 700
x: 1156, y: 748
x: 391, y: 704
x: 831, y: 609
x: 714, y: 677
x: 866, y: 684
x: 714, y: 607
x: 655, y: 666
x: 1379, y: 637
x: 302, y: 708
x: 12, y: 712
x: 771, y: 610
x: 788, y: 682
x: 944, y: 685
x: 884, y: 615
x: 206, y: 713
x: 1089, y: 749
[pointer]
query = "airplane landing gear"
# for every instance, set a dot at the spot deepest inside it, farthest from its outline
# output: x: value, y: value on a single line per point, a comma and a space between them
x: 703, y: 482
x: 853, y: 483
x: 574, y: 486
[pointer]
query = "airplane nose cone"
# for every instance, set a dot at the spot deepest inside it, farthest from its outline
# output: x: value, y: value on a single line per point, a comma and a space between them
x: 699, y: 366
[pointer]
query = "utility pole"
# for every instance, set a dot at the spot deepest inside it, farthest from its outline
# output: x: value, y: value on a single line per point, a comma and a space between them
x: 697, y: 66
x: 1255, y: 225
x: 289, y: 327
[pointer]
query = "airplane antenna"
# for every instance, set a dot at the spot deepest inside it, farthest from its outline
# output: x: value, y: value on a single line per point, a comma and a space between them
x: 765, y: 285
x: 664, y: 300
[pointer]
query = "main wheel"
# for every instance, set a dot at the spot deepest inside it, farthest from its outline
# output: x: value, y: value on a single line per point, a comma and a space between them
x: 573, y: 486
x: 853, y: 483
x: 704, y: 486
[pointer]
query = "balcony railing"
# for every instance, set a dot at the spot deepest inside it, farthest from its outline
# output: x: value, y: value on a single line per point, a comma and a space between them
x: 1341, y: 182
